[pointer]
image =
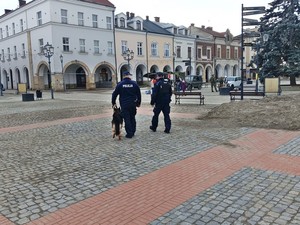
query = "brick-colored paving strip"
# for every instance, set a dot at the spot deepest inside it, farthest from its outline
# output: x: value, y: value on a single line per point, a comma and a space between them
x: 150, y: 196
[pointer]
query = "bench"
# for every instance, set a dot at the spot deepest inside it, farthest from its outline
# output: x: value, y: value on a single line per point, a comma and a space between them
x: 233, y: 94
x: 189, y: 95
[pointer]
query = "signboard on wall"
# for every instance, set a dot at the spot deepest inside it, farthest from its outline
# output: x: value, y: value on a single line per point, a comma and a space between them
x: 22, y: 88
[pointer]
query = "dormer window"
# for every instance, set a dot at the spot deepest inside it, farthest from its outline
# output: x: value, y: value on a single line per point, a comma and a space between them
x: 122, y: 22
x: 138, y: 25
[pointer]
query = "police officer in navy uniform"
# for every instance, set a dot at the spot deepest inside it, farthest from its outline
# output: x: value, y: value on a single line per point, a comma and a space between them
x: 130, y: 98
x: 160, y: 99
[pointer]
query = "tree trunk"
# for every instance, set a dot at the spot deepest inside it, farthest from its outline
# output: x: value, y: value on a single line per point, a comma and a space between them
x: 293, y: 80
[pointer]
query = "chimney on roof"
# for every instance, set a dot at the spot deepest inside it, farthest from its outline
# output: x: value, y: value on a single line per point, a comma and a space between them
x: 156, y: 19
x: 131, y: 15
x: 7, y: 11
x: 127, y: 15
x: 147, y: 17
x: 203, y: 27
x: 209, y: 28
x: 192, y: 24
x: 21, y: 3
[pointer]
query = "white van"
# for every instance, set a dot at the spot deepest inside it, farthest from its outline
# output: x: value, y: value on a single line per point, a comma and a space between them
x: 233, y: 80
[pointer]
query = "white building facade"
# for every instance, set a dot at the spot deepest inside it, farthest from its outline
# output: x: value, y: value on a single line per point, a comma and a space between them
x: 81, y: 32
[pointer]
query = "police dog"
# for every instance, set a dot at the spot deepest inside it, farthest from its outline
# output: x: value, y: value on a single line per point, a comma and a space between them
x: 117, y: 122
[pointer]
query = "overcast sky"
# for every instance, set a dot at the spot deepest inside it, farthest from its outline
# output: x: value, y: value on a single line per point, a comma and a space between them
x: 219, y: 14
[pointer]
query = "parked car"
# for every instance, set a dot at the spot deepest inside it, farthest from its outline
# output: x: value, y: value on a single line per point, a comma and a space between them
x: 233, y: 81
x: 193, y: 81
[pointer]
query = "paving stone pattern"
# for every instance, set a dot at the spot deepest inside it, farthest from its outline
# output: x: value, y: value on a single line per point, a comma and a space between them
x: 291, y: 148
x: 46, y: 169
x: 249, y: 196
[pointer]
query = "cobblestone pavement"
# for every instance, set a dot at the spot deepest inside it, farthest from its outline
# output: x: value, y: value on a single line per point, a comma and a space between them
x: 59, y: 165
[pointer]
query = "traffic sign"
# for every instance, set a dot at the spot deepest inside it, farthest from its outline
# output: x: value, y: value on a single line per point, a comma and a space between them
x: 254, y: 34
x: 248, y: 44
x: 254, y: 8
x: 253, y: 12
x: 249, y: 20
x: 252, y: 23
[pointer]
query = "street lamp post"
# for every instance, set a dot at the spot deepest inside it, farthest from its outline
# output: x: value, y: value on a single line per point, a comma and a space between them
x: 62, y: 71
x: 1, y: 85
x: 48, y: 52
x: 128, y: 55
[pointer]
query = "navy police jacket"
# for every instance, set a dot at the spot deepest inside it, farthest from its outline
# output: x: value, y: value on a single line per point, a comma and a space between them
x: 162, y: 92
x: 129, y: 93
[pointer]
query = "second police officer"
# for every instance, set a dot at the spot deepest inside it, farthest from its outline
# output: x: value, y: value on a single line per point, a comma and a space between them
x: 160, y: 99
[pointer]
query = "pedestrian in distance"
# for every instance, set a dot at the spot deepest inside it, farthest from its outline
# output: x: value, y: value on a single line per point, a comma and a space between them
x: 213, y: 83
x: 129, y: 97
x: 160, y: 99
x: 183, y: 86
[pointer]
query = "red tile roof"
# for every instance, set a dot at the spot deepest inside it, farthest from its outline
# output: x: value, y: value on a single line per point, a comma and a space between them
x: 100, y: 2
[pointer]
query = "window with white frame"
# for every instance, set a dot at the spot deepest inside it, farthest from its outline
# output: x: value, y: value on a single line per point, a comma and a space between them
x: 80, y: 19
x: 166, y: 50
x: 109, y: 47
x: 7, y: 31
x: 2, y: 56
x: 123, y: 46
x: 208, y: 53
x: 13, y: 28
x: 66, y: 44
x: 219, y: 52
x: 39, y: 18
x: 96, y: 46
x: 64, y: 16
x: 140, y: 48
x: 23, y: 50
x: 178, y: 51
x: 108, y: 23
x: 21, y: 25
x: 81, y: 45
x: 122, y: 22
x: 189, y: 52
x: 8, y: 53
x: 227, y: 53
x: 41, y: 45
x: 199, y: 53
x: 235, y: 53
x: 95, y: 20
x: 138, y: 25
x: 154, y: 51
x: 15, y: 52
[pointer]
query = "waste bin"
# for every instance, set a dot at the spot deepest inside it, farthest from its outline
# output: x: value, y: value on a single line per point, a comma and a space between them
x: 38, y: 94
x: 27, y: 97
x: 224, y: 90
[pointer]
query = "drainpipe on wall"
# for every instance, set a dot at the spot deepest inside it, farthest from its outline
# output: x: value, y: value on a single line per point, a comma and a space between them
x: 147, y: 59
x: 115, y: 47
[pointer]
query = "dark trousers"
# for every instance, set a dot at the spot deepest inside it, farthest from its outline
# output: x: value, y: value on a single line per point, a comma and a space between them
x: 165, y: 108
x: 128, y: 114
x: 213, y: 85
